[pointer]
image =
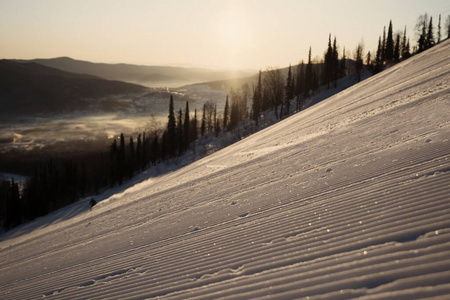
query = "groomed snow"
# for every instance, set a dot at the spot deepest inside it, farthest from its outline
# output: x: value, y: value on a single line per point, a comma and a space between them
x: 347, y: 199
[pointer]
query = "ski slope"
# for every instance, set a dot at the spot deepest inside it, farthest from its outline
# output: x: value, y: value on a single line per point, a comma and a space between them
x: 346, y: 199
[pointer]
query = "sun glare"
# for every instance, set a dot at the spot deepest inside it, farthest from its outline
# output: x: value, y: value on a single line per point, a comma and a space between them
x: 231, y: 30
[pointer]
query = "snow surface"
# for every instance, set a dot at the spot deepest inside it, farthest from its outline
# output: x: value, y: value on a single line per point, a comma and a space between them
x: 346, y: 199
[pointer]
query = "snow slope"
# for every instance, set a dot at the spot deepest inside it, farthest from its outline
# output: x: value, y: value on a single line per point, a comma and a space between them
x: 347, y: 199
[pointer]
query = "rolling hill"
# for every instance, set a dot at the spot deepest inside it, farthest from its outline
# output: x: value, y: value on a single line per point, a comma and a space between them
x: 346, y: 199
x: 30, y: 88
x: 152, y: 76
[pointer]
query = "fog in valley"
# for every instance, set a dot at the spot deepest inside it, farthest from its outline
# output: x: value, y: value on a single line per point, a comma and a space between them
x: 105, y: 119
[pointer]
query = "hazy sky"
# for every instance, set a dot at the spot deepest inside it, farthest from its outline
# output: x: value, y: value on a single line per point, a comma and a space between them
x: 232, y: 34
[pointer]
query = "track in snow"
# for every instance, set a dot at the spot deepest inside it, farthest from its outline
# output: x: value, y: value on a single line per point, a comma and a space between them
x: 347, y: 199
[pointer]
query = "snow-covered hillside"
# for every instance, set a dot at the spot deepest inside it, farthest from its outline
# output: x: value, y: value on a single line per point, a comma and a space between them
x: 349, y: 198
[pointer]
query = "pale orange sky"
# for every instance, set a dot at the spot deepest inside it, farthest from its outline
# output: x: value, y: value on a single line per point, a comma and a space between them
x: 220, y: 34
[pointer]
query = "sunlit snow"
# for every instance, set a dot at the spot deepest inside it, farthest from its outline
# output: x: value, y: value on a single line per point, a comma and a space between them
x: 346, y: 199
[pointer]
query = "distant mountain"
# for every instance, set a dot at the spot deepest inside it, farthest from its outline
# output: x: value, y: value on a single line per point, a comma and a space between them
x: 30, y: 88
x: 153, y: 76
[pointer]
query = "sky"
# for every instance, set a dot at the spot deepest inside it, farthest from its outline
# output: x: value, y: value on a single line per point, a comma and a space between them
x: 245, y: 34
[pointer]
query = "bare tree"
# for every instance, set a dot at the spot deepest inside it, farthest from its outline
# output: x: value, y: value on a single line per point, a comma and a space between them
x: 243, y: 106
x: 274, y: 87
x: 209, y: 112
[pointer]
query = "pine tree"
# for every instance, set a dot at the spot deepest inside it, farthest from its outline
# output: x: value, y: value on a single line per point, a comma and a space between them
x: 131, y: 159
x: 121, y: 159
x: 378, y: 59
x: 343, y: 65
x: 309, y: 75
x: 226, y: 113
x: 155, y: 152
x: 358, y: 61
x: 187, y: 127
x: 203, y: 125
x: 180, y: 142
x: 335, y: 63
x: 439, y: 30
x: 403, y: 50
x: 139, y: 152
x: 217, y: 127
x: 289, y: 89
x: 171, y: 130
x: 145, y: 150
x: 383, y: 46
x: 390, y: 44
x: 300, y: 82
x: 397, y: 48
x: 215, y: 118
x: 369, y: 60
x: 429, y: 40
x: 407, y: 52
x: 328, y: 64
x: 448, y: 26
x: 194, y: 128
x: 422, y: 43
x: 243, y: 110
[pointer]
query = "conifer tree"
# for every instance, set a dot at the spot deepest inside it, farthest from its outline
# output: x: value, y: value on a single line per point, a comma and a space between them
x: 335, y: 63
x: 309, y: 74
x: 226, y: 113
x: 243, y: 111
x: 397, y: 48
x: 145, y: 150
x: 121, y: 159
x: 171, y: 130
x: 217, y: 127
x: 403, y: 48
x: 369, y: 59
x: 358, y: 61
x: 448, y: 26
x: 300, y: 84
x: 122, y: 144
x: 131, y: 159
x: 215, y: 118
x: 113, y: 163
x: 155, y: 153
x: 429, y: 41
x: 378, y: 59
x: 343, y: 65
x: 328, y: 64
x: 187, y: 127
x: 194, y: 128
x: 203, y: 125
x: 383, y: 46
x: 422, y: 41
x: 439, y: 30
x: 289, y: 89
x: 407, y: 52
x: 390, y: 44
x: 139, y: 152
x: 164, y: 145
x: 180, y: 134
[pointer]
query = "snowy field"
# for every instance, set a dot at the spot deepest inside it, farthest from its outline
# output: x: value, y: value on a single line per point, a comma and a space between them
x: 347, y: 199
